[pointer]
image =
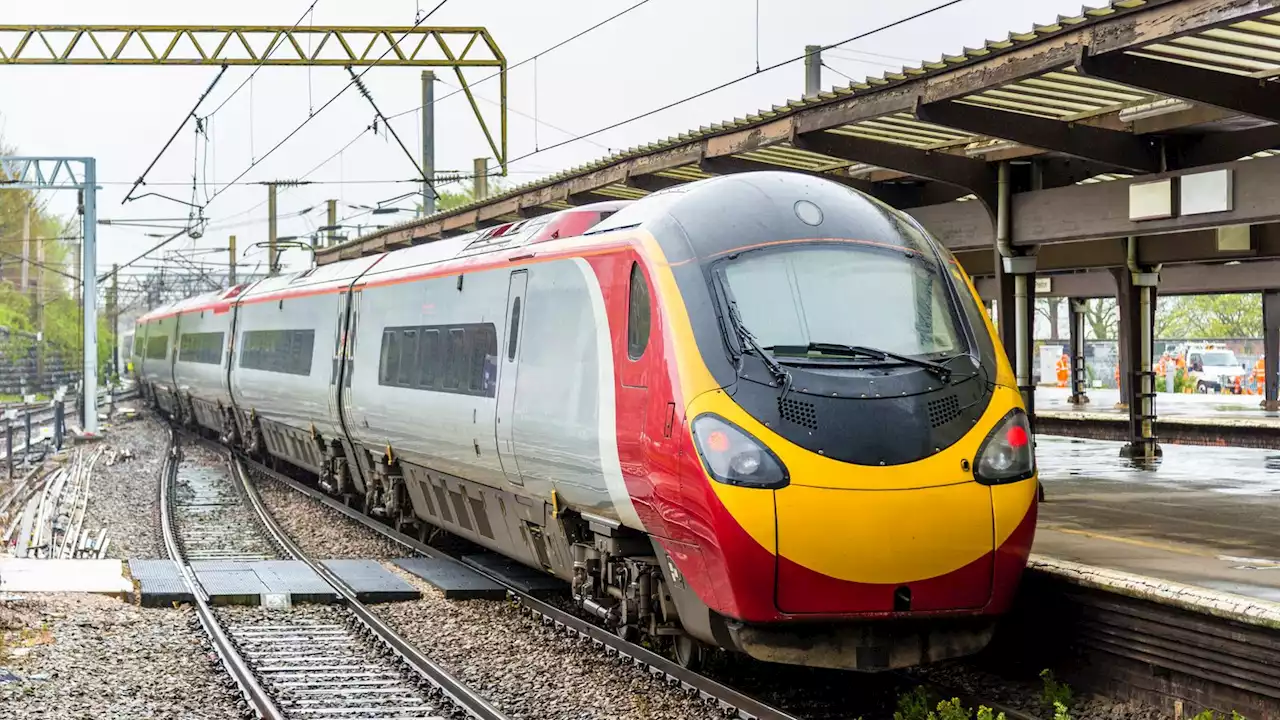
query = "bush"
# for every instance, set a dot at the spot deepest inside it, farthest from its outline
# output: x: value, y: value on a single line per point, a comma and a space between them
x: 1211, y: 715
x: 915, y: 706
x: 1056, y: 696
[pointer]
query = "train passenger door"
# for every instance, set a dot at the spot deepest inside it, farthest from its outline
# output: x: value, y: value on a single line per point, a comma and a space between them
x: 336, y: 364
x: 509, y: 365
x: 348, y: 361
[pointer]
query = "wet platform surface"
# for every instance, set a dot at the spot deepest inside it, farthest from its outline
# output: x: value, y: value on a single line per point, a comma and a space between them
x: 1179, y: 407
x: 1205, y: 516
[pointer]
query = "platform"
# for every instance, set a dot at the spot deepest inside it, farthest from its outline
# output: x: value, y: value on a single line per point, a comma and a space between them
x: 64, y: 576
x: 455, y: 580
x: 1180, y: 407
x: 1204, y: 517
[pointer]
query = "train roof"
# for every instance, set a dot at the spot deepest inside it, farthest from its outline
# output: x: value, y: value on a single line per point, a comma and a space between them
x: 402, y: 264
x: 704, y: 218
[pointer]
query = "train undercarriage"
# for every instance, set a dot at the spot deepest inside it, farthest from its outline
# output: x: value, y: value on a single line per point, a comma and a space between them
x: 614, y: 573
x: 622, y: 578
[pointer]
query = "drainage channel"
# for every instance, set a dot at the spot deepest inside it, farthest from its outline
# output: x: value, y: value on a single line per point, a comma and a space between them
x: 306, y: 661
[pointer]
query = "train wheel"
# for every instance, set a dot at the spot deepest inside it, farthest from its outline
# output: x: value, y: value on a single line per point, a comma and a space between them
x: 688, y: 652
x: 627, y: 632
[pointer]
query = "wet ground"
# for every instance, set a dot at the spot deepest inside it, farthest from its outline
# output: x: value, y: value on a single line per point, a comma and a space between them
x: 1204, y: 516
x: 1179, y: 406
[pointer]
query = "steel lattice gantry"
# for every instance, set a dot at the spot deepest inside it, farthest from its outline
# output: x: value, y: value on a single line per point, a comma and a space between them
x: 225, y: 45
x: 70, y: 173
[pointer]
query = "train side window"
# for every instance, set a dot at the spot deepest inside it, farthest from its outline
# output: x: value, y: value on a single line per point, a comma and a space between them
x: 157, y: 347
x: 484, y: 355
x: 638, y: 314
x: 455, y: 358
x: 279, y: 351
x: 308, y: 347
x: 203, y: 348
x: 390, y: 357
x: 429, y: 358
x: 514, y: 336
x: 408, y: 358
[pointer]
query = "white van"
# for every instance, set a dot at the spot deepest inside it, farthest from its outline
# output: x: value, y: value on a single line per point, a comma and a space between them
x: 1214, y: 368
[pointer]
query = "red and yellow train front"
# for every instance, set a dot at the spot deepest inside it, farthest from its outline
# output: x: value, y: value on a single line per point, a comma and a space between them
x: 857, y: 480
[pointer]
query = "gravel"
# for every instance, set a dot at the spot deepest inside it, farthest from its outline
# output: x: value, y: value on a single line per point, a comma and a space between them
x: 91, y: 656
x: 321, y: 532
x: 521, y: 667
x: 124, y: 494
x: 527, y: 670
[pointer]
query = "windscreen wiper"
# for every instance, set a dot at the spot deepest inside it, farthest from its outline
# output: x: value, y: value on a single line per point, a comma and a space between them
x: 749, y: 342
x: 941, y: 371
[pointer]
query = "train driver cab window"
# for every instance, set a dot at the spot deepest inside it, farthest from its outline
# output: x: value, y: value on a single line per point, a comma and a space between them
x: 637, y: 314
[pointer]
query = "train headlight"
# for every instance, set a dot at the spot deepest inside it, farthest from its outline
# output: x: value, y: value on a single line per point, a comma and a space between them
x: 1006, y: 455
x: 733, y: 457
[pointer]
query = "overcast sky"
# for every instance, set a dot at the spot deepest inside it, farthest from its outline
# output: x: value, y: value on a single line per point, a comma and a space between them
x: 660, y: 52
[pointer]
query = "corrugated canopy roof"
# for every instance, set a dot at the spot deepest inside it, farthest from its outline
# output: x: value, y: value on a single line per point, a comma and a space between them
x: 1077, y: 87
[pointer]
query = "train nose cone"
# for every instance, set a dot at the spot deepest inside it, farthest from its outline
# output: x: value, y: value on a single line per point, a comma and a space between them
x: 842, y: 550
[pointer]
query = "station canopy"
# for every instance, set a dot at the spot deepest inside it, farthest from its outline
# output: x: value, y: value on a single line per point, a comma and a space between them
x: 1135, y: 88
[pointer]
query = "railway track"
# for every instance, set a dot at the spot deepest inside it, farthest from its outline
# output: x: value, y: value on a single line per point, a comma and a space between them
x: 730, y: 701
x: 306, y: 662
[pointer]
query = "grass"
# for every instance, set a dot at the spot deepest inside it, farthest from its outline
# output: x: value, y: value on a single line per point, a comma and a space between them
x: 10, y: 398
x: 915, y: 705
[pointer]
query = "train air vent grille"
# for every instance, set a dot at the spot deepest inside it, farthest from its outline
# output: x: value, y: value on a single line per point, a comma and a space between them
x: 943, y: 410
x: 799, y: 412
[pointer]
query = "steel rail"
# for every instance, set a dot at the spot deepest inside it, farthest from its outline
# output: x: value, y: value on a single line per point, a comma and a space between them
x: 235, y: 664
x: 463, y: 696
x: 728, y: 699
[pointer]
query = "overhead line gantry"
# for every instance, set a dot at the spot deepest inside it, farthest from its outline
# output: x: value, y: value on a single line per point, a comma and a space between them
x: 268, y: 45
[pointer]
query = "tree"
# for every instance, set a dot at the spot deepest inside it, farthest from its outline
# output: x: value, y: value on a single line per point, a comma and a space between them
x: 1210, y: 316
x: 1102, y: 318
x: 61, y: 313
x: 1050, y: 308
x: 463, y: 195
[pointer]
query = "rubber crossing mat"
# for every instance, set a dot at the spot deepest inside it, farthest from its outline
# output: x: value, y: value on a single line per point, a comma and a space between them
x: 455, y: 580
x: 371, y: 582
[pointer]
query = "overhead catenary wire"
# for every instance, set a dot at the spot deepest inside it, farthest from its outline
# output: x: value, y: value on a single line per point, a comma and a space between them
x: 529, y: 59
x: 414, y: 161
x: 154, y: 248
x: 846, y: 77
x: 327, y: 103
x: 737, y: 80
x: 418, y: 108
x: 271, y: 47
x: 187, y: 118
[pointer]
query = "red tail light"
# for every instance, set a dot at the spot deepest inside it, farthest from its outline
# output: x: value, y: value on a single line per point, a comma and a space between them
x: 1007, y: 455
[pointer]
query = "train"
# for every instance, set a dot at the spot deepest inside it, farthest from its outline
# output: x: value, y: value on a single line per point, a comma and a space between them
x: 762, y: 413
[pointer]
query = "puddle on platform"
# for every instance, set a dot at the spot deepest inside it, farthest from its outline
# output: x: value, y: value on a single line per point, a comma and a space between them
x: 1227, y: 470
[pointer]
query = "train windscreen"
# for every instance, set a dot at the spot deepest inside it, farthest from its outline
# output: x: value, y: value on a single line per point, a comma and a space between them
x: 844, y: 294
